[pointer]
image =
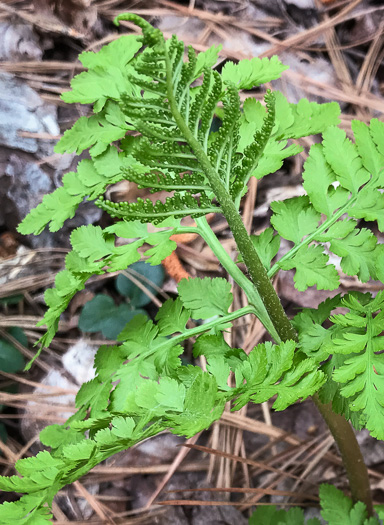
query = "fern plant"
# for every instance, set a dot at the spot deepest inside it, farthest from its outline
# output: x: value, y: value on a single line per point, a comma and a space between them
x: 168, y: 97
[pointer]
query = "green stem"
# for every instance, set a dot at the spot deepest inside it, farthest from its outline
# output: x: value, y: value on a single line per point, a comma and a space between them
x: 350, y: 452
x: 200, y: 329
x: 191, y: 332
x: 251, y: 259
x: 238, y: 276
x: 205, y: 231
x: 326, y: 224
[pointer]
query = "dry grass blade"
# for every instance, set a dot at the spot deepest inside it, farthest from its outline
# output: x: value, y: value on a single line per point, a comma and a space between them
x: 324, y: 447
x: 47, y: 419
x: 26, y: 284
x: 248, y: 490
x: 55, y: 389
x: 46, y: 66
x: 372, y: 61
x: 310, y: 34
x: 260, y: 465
x: 258, y: 427
x: 182, y: 454
x: 318, y: 88
x: 203, y: 503
x: 105, y: 471
x: 25, y: 321
x: 46, y: 24
x: 98, y: 507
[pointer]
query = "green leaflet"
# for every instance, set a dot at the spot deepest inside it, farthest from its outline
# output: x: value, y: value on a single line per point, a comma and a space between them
x: 172, y: 317
x: 294, y: 218
x: 55, y: 208
x: 271, y: 370
x: 118, y: 53
x: 357, y: 251
x: 340, y: 178
x: 324, y: 197
x: 206, y: 297
x: 273, y: 157
x: 206, y: 59
x: 307, y: 118
x: 88, y: 131
x: 89, y: 181
x: 369, y: 206
x: 89, y: 243
x: 108, y: 74
x: 369, y: 145
x: 267, y: 245
x: 343, y: 156
x: 312, y: 269
x: 249, y: 73
x: 338, y: 508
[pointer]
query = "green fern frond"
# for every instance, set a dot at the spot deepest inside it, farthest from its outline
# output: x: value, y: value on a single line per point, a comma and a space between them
x: 145, y: 210
x: 199, y: 102
x: 162, y: 156
x: 170, y: 156
x: 222, y: 151
x: 190, y: 182
x: 208, y: 110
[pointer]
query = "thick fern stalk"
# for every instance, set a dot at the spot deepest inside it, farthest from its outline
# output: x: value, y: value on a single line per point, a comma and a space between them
x: 350, y: 452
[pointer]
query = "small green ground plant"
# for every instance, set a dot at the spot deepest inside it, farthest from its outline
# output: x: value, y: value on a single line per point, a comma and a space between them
x: 153, y: 107
x: 11, y: 360
x: 336, y: 509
